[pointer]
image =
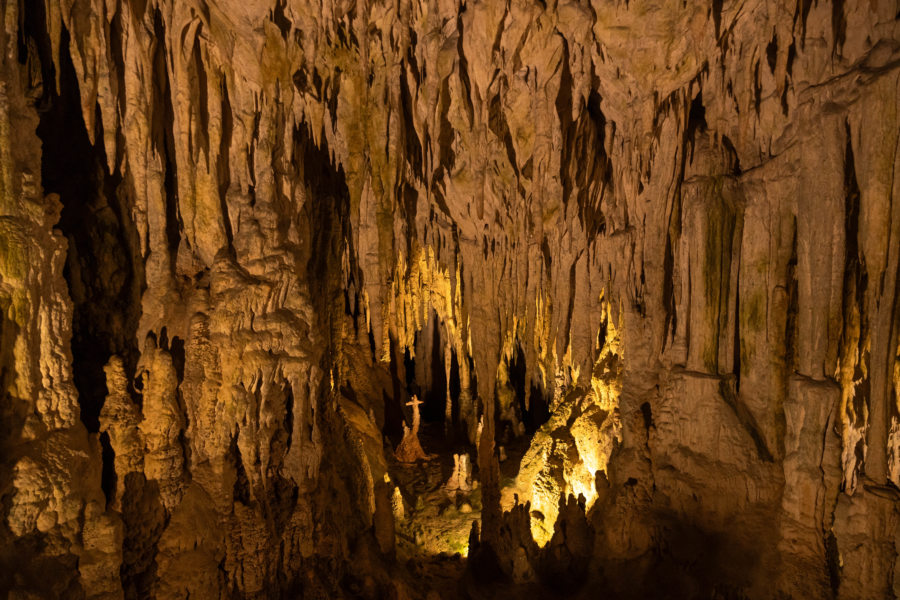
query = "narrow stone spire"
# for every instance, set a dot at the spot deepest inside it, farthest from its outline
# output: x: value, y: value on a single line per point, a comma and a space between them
x: 410, y: 450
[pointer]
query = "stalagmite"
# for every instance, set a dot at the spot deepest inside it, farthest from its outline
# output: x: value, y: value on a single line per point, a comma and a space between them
x: 461, y: 477
x: 410, y: 450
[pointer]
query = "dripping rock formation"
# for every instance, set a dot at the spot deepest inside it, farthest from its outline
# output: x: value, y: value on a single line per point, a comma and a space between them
x: 638, y: 259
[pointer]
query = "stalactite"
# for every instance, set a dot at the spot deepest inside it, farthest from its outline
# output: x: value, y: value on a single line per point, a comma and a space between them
x: 647, y: 250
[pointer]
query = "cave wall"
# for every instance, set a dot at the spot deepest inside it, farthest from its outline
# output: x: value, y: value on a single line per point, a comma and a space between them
x: 211, y: 279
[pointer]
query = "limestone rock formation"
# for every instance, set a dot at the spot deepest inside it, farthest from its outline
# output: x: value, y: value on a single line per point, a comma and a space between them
x: 650, y: 248
x: 410, y: 450
x: 461, y: 477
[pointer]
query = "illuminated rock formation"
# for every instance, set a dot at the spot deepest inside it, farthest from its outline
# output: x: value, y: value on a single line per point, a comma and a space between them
x: 650, y: 248
x: 410, y: 450
x: 461, y: 477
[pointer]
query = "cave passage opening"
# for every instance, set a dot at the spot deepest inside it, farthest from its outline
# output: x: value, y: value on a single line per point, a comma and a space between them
x: 530, y: 404
x: 443, y: 494
x: 430, y: 371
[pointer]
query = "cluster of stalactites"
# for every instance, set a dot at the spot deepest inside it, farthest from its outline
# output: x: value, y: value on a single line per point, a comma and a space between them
x: 423, y: 290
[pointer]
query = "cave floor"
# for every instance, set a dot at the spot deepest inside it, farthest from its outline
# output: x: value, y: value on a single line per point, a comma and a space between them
x: 436, y: 521
x: 433, y: 534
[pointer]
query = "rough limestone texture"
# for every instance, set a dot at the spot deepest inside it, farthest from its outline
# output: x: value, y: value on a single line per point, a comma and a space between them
x: 662, y: 237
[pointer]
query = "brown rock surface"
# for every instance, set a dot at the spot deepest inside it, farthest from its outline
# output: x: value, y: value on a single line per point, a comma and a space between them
x: 654, y: 243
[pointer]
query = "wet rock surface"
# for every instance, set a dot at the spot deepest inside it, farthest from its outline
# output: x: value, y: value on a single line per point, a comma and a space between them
x: 648, y: 249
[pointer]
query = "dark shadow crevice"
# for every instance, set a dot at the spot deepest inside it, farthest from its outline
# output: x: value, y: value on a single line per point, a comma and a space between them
x: 104, y: 271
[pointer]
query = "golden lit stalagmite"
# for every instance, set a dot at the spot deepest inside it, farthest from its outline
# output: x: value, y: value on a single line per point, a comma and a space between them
x: 410, y: 450
x: 569, y: 450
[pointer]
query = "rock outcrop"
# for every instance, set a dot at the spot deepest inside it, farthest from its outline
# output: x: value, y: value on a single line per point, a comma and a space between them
x: 660, y: 237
